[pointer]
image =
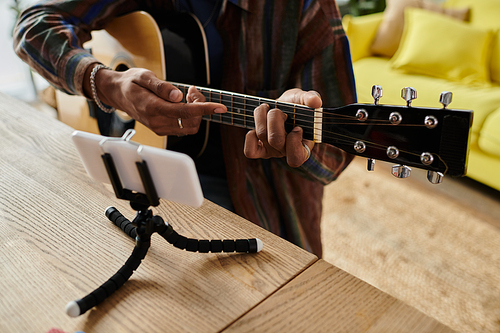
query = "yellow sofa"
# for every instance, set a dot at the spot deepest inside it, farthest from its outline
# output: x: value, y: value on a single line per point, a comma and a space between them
x: 437, y: 52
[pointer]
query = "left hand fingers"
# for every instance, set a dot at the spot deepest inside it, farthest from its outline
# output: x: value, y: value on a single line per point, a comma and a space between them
x: 296, y: 151
x: 297, y: 96
x: 194, y: 95
x: 269, y: 137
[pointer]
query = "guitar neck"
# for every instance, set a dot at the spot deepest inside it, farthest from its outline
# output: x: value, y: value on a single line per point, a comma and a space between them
x: 240, y: 111
x: 429, y: 138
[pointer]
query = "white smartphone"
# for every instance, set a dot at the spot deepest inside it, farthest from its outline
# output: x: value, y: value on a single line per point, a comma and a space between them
x: 174, y: 174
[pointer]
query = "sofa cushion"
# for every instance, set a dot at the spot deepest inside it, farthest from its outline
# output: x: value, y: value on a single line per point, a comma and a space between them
x: 489, y: 137
x: 485, y: 14
x: 435, y: 45
x: 374, y: 70
x: 360, y: 32
x: 389, y: 32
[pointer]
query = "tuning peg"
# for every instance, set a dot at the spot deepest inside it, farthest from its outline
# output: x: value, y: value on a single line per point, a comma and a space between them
x: 392, y: 152
x: 435, y: 177
x: 430, y: 122
x: 361, y: 115
x: 370, y: 165
x: 376, y: 93
x: 426, y: 158
x: 408, y: 94
x: 395, y: 118
x: 359, y: 147
x: 445, y: 98
x: 401, y: 171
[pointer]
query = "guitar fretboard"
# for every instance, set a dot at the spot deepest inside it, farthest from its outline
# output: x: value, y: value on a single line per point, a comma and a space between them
x: 240, y: 111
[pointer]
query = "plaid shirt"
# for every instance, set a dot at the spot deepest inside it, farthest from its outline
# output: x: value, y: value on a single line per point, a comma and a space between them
x: 269, y: 47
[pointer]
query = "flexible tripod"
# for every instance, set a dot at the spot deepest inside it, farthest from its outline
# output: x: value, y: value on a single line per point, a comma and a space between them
x: 141, y: 228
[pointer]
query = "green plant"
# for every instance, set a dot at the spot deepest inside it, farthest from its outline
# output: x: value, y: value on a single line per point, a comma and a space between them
x: 365, y: 7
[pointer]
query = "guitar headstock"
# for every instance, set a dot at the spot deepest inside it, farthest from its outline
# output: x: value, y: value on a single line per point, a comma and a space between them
x: 433, y: 139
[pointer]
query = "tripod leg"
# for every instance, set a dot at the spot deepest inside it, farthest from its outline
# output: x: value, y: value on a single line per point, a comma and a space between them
x: 79, y: 307
x: 165, y: 230
x: 251, y: 245
x: 120, y: 221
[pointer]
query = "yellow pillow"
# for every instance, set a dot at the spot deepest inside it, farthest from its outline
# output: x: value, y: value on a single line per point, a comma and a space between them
x: 484, y: 13
x: 435, y: 45
x: 360, y: 30
x: 389, y: 33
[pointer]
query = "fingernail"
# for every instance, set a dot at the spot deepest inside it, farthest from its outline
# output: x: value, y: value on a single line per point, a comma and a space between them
x: 219, y: 110
x: 174, y: 95
x: 296, y: 129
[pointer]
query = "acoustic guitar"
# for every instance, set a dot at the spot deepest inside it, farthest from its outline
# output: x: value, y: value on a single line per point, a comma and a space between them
x: 433, y: 139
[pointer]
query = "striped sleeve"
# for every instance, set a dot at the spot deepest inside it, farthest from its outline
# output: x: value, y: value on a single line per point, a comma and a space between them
x: 49, y: 37
x: 322, y: 63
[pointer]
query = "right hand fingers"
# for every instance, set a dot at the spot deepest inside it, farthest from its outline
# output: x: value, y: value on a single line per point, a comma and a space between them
x: 162, y: 89
x: 169, y: 93
x: 156, y: 103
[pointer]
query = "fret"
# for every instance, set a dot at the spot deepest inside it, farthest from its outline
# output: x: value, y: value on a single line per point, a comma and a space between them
x: 217, y: 98
x: 208, y: 96
x: 227, y: 100
x: 304, y: 117
x: 184, y: 90
x: 239, y: 111
x: 299, y: 115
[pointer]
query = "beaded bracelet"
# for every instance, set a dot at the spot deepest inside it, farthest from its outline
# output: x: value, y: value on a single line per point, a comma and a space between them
x: 94, y: 90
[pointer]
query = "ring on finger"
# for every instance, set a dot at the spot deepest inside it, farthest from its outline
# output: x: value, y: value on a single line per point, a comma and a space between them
x: 308, y: 150
x: 179, y: 121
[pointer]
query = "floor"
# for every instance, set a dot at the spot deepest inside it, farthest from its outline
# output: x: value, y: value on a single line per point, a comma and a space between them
x: 435, y: 247
x: 467, y: 191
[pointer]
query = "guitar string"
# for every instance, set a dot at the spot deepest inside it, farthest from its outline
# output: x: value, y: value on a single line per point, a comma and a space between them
x: 312, y: 118
x: 355, y: 120
x: 247, y: 107
x: 327, y: 134
x: 349, y: 139
x: 346, y: 139
x: 296, y: 107
x: 245, y: 117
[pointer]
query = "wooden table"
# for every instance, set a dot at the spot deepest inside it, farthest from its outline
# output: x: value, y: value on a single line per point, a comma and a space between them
x: 56, y: 245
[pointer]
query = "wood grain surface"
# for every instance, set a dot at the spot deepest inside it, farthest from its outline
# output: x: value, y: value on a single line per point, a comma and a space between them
x: 56, y: 245
x: 326, y: 299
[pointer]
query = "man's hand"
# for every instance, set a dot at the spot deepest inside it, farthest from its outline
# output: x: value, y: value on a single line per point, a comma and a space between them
x: 153, y: 102
x: 269, y: 139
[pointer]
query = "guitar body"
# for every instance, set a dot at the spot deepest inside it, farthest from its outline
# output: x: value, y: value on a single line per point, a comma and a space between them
x: 136, y: 40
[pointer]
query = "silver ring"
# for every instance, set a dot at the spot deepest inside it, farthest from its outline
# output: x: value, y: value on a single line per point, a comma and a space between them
x: 179, y: 121
x: 308, y: 150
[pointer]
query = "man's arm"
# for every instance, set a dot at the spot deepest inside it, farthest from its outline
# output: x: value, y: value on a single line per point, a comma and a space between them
x: 49, y: 37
